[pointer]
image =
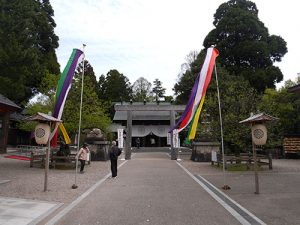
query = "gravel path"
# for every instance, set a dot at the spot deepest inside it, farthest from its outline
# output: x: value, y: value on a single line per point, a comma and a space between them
x: 28, y: 183
x: 279, y: 195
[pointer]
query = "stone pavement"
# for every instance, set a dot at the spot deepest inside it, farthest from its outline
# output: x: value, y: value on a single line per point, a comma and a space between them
x: 15, y: 211
x: 152, y: 189
x: 279, y: 200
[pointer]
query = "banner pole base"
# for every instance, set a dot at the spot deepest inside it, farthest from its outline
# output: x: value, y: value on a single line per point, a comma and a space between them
x: 226, y: 187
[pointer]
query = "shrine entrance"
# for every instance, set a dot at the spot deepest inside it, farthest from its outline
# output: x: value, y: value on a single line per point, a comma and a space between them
x: 150, y: 140
x: 148, y: 122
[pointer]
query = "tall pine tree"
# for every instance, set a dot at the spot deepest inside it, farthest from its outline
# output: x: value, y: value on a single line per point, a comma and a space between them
x: 158, y: 90
x: 246, y: 47
x: 27, y: 47
x: 115, y: 87
x: 93, y: 112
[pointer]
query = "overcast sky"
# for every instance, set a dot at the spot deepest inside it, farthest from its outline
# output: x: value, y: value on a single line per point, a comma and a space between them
x: 151, y: 38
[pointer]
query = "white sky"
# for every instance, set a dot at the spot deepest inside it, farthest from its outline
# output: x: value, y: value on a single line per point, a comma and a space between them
x: 151, y: 38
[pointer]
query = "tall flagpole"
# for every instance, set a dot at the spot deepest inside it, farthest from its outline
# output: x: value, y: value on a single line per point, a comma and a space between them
x: 74, y: 186
x: 225, y: 187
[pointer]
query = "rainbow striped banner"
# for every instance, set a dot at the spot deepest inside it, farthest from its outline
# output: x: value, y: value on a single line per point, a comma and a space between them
x: 193, y: 108
x: 63, y: 88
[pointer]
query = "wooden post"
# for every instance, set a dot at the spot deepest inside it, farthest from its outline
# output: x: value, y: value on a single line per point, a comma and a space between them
x: 47, y: 164
x: 255, y: 170
x: 31, y: 159
x: 172, y: 123
x: 270, y: 161
x: 4, y: 121
x: 128, y: 135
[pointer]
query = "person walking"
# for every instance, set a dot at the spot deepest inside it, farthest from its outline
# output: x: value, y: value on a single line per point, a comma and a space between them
x: 113, y: 155
x: 82, y: 156
x: 138, y: 142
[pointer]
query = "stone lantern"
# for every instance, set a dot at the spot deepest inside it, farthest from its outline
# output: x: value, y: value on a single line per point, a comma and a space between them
x: 259, y: 137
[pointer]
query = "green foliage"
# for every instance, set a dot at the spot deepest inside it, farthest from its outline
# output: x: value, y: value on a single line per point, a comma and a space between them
x: 27, y: 47
x: 169, y: 98
x: 238, y: 99
x: 286, y: 107
x: 246, y: 48
x: 186, y: 81
x: 141, y: 90
x: 42, y: 104
x: 158, y: 90
x: 115, y: 87
x: 238, y: 167
x: 48, y: 85
x: 93, y: 112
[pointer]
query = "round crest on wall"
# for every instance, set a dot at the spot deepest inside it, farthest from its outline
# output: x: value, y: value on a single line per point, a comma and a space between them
x: 259, y: 134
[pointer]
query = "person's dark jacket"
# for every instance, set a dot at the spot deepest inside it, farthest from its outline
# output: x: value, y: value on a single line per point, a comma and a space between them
x: 114, y: 152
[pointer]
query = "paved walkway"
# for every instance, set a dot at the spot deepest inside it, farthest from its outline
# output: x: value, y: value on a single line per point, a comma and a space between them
x: 14, y: 211
x: 152, y: 189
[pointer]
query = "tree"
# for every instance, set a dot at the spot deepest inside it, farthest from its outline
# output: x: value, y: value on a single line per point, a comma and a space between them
x: 284, y: 105
x: 169, y: 98
x: 158, y: 90
x: 238, y: 99
x: 187, y: 79
x: 190, y: 58
x: 141, y: 89
x: 27, y: 47
x: 94, y: 113
x: 88, y: 72
x: 100, y: 89
x: 115, y: 87
x: 246, y: 48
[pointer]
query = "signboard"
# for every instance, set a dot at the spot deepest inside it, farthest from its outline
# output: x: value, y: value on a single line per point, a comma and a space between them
x: 176, y: 140
x: 214, y: 156
x: 168, y: 138
x: 120, y: 138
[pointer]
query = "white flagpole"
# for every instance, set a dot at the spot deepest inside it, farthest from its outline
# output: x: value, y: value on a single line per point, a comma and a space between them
x: 225, y: 187
x: 74, y: 186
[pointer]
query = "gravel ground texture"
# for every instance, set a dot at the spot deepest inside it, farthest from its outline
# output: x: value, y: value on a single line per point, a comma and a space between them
x: 28, y: 183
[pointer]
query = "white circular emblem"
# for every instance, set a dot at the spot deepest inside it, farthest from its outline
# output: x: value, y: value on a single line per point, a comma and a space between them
x: 258, y: 133
x: 40, y: 132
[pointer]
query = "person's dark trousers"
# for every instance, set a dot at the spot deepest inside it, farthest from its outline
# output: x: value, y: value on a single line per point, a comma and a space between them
x: 82, y: 164
x: 114, y: 167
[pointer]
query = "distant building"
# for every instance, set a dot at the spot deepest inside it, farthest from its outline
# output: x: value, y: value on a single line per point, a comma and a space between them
x: 17, y: 136
x: 6, y: 108
x: 150, y: 121
x: 295, y: 89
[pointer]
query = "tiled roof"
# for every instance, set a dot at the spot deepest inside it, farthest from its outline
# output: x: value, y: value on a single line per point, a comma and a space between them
x: 42, y: 117
x: 261, y: 117
x: 143, y: 115
x: 295, y: 88
x: 6, y: 101
x: 16, y: 116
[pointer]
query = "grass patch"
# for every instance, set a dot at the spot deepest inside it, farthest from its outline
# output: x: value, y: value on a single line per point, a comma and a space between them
x: 239, y: 167
x: 64, y: 167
